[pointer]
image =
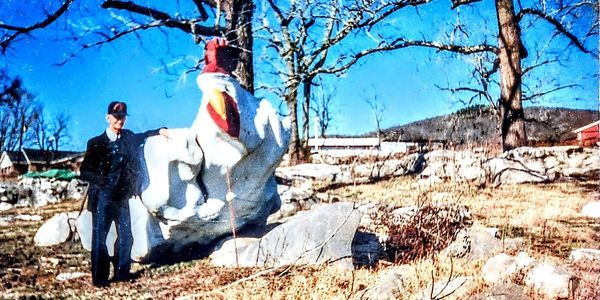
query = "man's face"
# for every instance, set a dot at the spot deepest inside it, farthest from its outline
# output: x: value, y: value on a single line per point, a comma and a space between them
x: 115, y: 123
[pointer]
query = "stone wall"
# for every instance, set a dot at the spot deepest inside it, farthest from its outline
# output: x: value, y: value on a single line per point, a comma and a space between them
x: 39, y: 192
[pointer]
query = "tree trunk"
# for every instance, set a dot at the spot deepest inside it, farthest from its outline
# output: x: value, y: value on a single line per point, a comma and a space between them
x: 240, y: 30
x: 513, y: 119
x: 305, y: 110
x: 294, y: 148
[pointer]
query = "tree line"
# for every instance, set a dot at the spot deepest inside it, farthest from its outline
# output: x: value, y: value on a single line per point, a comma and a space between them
x: 308, y: 41
x: 23, y: 121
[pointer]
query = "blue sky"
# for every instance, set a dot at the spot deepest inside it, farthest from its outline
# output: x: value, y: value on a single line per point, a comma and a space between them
x: 130, y: 70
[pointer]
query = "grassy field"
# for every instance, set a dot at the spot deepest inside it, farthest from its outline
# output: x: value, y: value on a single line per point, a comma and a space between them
x: 546, y: 216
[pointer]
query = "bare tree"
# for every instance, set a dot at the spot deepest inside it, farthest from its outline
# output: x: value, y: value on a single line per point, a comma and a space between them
x: 573, y: 21
x: 18, y: 111
x: 322, y: 108
x: 59, y: 131
x: 315, y: 38
x: 377, y: 108
x: 38, y: 130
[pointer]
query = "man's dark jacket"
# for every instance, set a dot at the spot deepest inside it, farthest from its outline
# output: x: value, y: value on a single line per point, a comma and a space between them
x: 114, y: 165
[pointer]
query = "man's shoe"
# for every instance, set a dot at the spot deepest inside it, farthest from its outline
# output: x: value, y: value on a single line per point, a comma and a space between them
x: 101, y: 284
x: 122, y: 277
x: 125, y: 277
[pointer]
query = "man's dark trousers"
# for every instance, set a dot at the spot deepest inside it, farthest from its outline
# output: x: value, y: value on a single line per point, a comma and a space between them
x: 109, y: 209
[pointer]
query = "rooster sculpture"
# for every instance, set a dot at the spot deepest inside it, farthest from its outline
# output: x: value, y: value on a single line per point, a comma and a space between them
x: 204, y: 181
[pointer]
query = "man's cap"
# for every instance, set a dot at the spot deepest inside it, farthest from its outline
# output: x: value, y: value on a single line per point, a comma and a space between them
x: 117, y: 108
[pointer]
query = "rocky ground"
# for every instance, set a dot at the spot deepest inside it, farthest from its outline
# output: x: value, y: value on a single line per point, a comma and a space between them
x: 547, y: 216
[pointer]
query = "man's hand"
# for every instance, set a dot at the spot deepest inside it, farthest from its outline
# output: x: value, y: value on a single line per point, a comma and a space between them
x: 164, y: 132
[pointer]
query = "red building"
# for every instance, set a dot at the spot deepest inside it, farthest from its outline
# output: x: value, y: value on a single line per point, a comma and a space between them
x: 588, y: 134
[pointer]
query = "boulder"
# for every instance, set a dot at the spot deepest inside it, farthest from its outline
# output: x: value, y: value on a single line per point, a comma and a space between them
x: 480, y: 243
x: 550, y: 280
x: 389, y: 285
x: 508, y: 291
x: 322, y: 235
x: 457, y: 288
x: 503, y: 266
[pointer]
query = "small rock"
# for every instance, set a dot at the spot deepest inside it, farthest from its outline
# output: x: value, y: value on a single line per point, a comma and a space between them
x: 5, y: 206
x: 69, y: 276
x: 591, y: 210
x: 584, y: 254
x: 28, y: 217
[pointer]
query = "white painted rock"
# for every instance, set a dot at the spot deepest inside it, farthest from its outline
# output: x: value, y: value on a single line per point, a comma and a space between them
x: 69, y: 276
x: 550, y: 280
x: 591, y: 210
x: 5, y: 206
x: 84, y: 229
x: 54, y: 231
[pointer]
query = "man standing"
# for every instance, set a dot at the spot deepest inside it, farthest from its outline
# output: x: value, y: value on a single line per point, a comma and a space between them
x: 109, y: 166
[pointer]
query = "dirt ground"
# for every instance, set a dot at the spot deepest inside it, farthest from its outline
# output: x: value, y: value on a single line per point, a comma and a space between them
x: 546, y: 216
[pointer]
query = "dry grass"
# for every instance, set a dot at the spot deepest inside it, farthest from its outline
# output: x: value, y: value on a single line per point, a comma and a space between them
x: 545, y: 215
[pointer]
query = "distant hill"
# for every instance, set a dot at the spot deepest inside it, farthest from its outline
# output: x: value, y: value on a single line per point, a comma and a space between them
x: 478, y: 124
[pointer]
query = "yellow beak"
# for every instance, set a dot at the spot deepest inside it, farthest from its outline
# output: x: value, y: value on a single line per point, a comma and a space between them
x: 217, y: 102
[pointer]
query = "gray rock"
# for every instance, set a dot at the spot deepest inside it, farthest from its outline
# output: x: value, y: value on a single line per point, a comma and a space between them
x: 457, y: 287
x: 484, y: 244
x: 322, y: 235
x: 321, y: 172
x: 550, y: 280
x: 591, y: 210
x: 503, y: 266
x: 508, y: 291
x: 480, y: 243
x: 584, y: 254
x: 389, y: 285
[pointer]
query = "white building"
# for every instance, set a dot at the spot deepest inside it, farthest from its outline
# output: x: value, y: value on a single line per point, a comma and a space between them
x: 342, y: 147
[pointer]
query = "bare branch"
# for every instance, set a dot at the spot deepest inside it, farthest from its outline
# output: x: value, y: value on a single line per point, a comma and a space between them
x: 23, y: 30
x: 559, y: 27
x: 532, y: 67
x: 109, y: 39
x: 541, y: 94
x: 402, y: 43
x: 457, y: 3
x: 188, y: 26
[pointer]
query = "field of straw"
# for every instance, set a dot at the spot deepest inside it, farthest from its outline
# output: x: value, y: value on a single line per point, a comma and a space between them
x: 546, y: 216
